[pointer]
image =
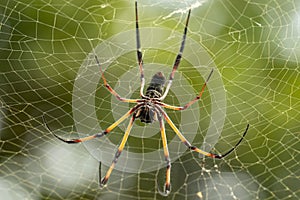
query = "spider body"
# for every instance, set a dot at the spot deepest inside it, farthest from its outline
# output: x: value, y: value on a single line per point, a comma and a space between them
x: 147, y: 112
x: 149, y: 108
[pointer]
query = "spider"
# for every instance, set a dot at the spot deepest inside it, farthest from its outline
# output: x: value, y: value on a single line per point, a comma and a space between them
x: 150, y: 108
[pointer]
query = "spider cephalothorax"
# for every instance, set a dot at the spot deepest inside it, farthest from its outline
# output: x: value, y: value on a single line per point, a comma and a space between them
x: 150, y: 108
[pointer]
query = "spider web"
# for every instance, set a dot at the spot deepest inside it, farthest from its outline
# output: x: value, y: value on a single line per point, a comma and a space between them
x: 47, y: 68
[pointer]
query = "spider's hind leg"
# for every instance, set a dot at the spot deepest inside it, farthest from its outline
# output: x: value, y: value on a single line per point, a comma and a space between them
x: 177, y: 59
x: 139, y: 51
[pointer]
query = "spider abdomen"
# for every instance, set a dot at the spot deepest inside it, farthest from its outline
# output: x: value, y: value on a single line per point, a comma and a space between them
x: 156, y: 86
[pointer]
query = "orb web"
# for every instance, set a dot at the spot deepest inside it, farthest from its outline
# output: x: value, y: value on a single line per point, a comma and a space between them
x: 253, y: 46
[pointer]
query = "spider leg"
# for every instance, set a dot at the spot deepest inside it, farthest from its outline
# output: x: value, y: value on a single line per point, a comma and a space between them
x: 139, y: 51
x: 99, y: 173
x: 118, y: 153
x: 178, y: 58
x: 194, y: 148
x: 191, y: 102
x: 112, y: 91
x: 106, y: 131
x: 167, y: 188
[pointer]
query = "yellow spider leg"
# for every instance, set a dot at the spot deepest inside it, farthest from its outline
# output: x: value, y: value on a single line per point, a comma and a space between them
x: 167, y: 157
x: 194, y: 148
x: 106, y: 131
x: 118, y: 153
x: 183, y: 139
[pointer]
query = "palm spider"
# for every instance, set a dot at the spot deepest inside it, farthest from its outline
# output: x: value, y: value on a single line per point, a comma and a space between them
x: 150, y: 108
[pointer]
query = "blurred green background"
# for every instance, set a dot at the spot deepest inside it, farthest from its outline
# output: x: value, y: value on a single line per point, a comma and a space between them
x: 255, y: 46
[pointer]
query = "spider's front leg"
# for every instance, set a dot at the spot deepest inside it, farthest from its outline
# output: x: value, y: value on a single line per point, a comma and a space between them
x: 167, y: 188
x: 194, y: 148
x: 118, y: 153
x: 97, y: 135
